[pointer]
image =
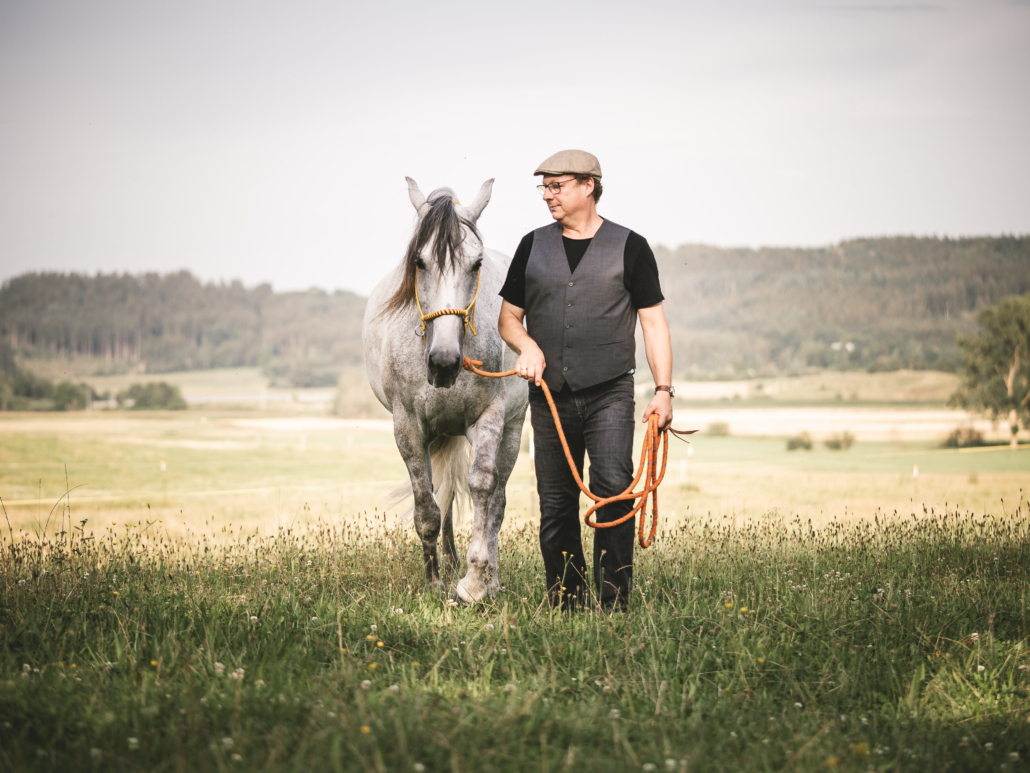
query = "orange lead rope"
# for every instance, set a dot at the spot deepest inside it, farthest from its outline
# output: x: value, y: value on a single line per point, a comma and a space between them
x: 648, y: 461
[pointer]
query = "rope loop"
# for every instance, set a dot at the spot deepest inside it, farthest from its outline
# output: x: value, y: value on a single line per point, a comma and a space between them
x: 648, y: 463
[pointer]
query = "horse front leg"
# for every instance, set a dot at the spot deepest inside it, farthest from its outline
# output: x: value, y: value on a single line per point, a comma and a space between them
x: 493, y: 457
x: 414, y: 448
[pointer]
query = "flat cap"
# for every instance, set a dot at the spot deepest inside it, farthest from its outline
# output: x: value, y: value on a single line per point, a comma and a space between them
x: 571, y: 162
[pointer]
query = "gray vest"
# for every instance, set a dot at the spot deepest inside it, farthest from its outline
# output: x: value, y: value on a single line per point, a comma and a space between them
x: 584, y: 322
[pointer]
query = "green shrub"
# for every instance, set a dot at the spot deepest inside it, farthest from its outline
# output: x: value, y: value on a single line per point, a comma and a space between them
x: 840, y: 441
x: 70, y: 397
x: 964, y: 437
x: 157, y: 395
x: 801, y: 441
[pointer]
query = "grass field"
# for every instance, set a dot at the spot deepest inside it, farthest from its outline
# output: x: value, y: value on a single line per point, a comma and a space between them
x: 221, y: 593
x: 889, y: 646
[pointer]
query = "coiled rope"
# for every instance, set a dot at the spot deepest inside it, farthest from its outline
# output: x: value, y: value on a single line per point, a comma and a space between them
x: 648, y: 462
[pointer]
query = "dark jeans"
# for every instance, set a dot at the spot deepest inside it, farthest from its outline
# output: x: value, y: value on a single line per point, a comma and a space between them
x: 598, y: 420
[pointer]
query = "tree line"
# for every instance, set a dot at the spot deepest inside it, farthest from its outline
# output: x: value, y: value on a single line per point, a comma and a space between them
x: 876, y: 304
x: 176, y: 322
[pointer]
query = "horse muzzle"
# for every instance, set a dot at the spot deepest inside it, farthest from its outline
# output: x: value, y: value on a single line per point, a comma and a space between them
x: 443, y: 367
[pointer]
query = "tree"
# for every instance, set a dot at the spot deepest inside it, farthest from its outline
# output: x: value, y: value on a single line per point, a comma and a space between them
x: 997, y: 364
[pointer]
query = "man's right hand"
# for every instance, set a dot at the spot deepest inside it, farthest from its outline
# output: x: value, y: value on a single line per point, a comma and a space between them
x: 530, y: 364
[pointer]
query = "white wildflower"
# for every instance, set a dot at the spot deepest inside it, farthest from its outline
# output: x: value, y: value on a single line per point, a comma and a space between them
x: 366, y: 684
x: 227, y: 743
x: 133, y: 744
x: 510, y: 688
x: 219, y: 668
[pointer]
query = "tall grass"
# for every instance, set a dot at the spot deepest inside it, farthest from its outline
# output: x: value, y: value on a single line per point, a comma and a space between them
x: 892, y: 645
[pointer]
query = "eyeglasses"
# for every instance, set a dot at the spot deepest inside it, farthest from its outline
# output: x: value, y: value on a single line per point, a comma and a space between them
x: 554, y: 187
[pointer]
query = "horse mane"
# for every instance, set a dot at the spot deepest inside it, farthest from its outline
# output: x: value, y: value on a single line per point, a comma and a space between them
x: 442, y: 224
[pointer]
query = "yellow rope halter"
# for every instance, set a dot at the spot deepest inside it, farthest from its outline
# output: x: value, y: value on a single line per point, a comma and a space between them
x: 468, y: 315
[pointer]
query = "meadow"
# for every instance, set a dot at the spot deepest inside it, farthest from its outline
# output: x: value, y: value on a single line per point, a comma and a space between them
x: 222, y: 591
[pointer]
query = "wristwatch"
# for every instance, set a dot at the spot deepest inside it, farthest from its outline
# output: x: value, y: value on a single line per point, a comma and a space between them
x: 664, y: 388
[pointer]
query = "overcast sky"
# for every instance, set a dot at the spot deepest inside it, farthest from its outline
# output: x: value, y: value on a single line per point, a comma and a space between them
x: 269, y: 141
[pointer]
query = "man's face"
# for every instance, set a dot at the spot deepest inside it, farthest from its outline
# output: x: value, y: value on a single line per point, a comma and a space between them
x: 572, y: 198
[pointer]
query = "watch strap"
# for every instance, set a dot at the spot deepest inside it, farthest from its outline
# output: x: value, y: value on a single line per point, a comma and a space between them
x: 663, y: 388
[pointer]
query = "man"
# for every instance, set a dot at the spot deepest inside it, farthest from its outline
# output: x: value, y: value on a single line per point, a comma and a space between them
x: 580, y: 284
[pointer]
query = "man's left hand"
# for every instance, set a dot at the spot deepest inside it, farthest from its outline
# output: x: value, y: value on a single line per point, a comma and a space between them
x: 661, y: 404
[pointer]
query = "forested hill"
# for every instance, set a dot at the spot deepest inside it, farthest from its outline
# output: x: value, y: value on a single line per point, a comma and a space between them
x: 176, y: 322
x: 867, y: 303
x: 883, y: 303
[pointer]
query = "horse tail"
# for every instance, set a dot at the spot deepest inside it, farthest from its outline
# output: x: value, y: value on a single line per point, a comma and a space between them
x: 450, y: 458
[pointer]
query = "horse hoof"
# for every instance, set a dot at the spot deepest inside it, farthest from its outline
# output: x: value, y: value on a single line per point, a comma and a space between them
x: 463, y: 597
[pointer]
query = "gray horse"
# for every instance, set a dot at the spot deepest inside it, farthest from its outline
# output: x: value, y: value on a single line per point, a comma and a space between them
x: 414, y: 363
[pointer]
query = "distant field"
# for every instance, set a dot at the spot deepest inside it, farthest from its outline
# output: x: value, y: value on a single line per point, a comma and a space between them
x: 266, y: 469
x: 828, y: 387
x: 921, y: 387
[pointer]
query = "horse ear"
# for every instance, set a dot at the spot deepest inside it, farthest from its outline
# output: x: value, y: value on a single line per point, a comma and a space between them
x: 475, y: 209
x: 418, y: 200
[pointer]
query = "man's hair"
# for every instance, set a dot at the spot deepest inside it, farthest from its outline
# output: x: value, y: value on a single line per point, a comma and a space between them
x: 598, y: 188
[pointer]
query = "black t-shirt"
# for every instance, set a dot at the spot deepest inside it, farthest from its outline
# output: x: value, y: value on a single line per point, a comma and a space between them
x: 639, y: 275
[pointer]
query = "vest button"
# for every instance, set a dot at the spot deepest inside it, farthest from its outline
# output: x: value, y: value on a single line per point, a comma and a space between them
x: 568, y: 304
x: 566, y: 346
x: 564, y: 368
x: 571, y: 283
x: 567, y: 327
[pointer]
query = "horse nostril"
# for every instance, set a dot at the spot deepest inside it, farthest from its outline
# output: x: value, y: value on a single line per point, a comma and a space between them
x: 443, y: 368
x: 445, y: 360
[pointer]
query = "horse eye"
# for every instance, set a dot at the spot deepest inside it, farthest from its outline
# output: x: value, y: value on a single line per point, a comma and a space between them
x: 477, y: 265
x: 421, y: 264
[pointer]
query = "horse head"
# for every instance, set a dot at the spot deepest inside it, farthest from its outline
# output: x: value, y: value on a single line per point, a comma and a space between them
x: 441, y: 275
